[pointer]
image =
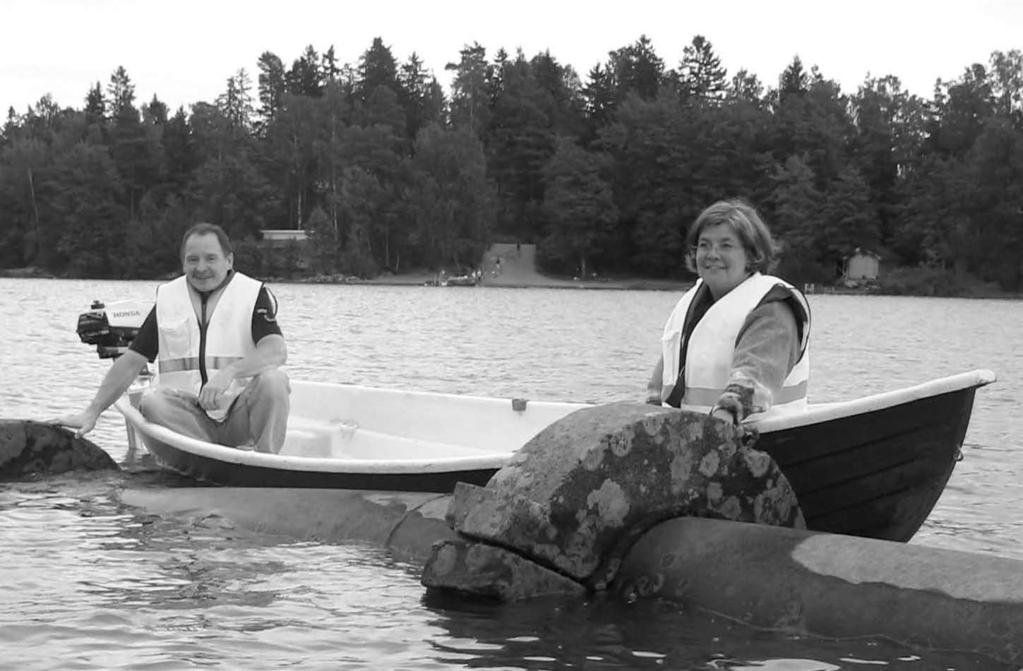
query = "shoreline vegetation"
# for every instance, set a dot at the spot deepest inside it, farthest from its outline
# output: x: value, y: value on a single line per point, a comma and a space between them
x: 319, y: 170
x: 513, y: 266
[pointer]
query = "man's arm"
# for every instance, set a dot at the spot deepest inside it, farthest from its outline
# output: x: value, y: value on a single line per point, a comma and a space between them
x: 270, y: 352
x: 117, y: 380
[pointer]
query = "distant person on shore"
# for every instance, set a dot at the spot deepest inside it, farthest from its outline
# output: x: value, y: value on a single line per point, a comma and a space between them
x: 736, y: 342
x: 218, y: 347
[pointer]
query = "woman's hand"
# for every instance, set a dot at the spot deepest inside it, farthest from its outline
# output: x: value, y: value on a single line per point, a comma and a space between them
x: 725, y: 414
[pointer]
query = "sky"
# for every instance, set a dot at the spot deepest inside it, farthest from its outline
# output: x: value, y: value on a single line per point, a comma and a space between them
x: 185, y: 50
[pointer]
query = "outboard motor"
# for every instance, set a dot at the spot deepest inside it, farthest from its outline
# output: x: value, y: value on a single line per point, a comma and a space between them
x: 111, y: 328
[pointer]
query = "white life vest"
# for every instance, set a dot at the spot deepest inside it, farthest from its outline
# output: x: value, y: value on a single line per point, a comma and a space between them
x: 228, y: 335
x: 714, y: 337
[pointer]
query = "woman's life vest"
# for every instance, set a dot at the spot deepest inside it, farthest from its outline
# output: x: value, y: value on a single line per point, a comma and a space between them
x: 711, y: 347
x: 197, y: 339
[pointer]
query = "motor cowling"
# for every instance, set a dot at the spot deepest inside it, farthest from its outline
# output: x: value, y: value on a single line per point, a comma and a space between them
x: 111, y: 328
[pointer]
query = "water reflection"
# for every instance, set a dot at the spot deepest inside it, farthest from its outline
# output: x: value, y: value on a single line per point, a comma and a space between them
x: 608, y: 634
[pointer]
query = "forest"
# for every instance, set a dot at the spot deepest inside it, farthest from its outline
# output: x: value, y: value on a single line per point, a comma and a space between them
x: 388, y: 171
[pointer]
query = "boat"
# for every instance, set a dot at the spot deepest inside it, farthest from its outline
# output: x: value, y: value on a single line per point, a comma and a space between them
x: 872, y: 467
x: 459, y: 281
x: 355, y: 437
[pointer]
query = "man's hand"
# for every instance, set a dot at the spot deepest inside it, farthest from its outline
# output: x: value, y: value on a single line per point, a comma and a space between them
x: 82, y: 422
x: 211, y: 396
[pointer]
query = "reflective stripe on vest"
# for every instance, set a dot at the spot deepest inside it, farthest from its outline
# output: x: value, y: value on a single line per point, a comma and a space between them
x: 192, y: 363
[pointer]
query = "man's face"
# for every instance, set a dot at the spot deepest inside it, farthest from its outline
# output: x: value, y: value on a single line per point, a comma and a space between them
x: 204, y: 262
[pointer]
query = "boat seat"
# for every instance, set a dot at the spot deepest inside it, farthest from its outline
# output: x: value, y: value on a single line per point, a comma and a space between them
x: 346, y: 440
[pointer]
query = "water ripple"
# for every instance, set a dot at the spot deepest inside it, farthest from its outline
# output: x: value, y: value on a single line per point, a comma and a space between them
x: 88, y: 584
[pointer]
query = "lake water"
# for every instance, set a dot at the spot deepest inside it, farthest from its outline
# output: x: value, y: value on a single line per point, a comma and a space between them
x: 91, y: 584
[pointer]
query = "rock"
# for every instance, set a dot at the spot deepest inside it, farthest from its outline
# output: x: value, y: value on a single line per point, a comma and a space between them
x: 493, y: 572
x: 29, y: 448
x: 576, y: 497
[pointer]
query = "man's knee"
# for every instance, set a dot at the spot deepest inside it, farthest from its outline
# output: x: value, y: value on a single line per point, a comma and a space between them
x: 272, y: 383
x: 157, y: 403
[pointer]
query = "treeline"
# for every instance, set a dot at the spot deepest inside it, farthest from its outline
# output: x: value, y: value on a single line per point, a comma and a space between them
x: 387, y: 170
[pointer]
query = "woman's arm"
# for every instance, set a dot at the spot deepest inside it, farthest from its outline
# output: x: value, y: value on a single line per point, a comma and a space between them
x: 766, y: 349
x: 653, y: 387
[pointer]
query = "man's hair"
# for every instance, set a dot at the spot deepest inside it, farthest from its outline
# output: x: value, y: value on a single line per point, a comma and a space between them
x: 743, y: 219
x: 204, y: 228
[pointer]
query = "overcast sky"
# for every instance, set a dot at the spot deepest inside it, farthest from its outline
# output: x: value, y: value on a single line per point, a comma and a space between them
x: 184, y: 50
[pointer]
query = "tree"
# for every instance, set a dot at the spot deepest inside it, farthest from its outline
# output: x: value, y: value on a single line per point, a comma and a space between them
x: 235, y: 103
x: 746, y: 87
x: 305, y: 78
x: 86, y: 200
x: 419, y: 95
x: 377, y: 68
x: 24, y: 231
x: 272, y: 84
x: 291, y: 148
x: 227, y: 187
x: 519, y: 141
x: 95, y: 106
x: 122, y: 94
x: 811, y: 120
x: 578, y: 207
x: 601, y: 98
x: 449, y: 202
x: 886, y: 142
x: 848, y: 219
x: 470, y: 100
x: 995, y: 202
x: 701, y: 77
x: 960, y: 110
x: 797, y: 214
x: 637, y: 69
x: 135, y: 152
x: 652, y: 179
x: 180, y: 152
x: 561, y: 94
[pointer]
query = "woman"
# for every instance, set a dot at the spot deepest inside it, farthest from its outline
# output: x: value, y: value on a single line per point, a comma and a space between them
x: 736, y: 343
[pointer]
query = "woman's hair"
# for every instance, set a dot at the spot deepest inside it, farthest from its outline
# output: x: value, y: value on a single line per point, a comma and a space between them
x: 204, y: 228
x: 748, y: 226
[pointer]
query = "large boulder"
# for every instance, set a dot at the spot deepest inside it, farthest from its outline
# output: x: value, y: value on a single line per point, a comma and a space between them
x: 30, y: 449
x: 576, y: 497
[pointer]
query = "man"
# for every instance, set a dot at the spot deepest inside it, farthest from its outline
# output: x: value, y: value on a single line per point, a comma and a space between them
x: 214, y: 332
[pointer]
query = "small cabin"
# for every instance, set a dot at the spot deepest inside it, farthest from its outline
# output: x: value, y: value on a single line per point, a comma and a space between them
x: 862, y: 264
x: 284, y: 234
x: 285, y: 250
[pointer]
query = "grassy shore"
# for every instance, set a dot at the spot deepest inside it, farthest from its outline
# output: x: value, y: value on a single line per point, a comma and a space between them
x: 514, y: 266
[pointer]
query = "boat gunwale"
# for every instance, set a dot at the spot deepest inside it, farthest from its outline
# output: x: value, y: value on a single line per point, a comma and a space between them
x: 818, y: 413
x: 815, y: 414
x: 224, y: 453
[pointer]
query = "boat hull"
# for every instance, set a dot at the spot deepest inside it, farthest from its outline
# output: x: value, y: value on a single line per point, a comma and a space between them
x: 879, y: 478
x: 218, y: 471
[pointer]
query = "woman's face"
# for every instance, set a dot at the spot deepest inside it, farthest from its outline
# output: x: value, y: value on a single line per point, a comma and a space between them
x: 721, y: 260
